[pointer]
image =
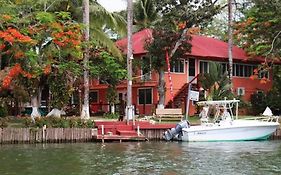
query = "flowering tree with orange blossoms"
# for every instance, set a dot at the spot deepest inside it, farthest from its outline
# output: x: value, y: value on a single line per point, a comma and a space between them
x: 43, y: 45
x: 259, y: 33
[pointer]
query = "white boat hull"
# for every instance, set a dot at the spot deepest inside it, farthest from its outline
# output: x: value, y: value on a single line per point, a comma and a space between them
x: 238, y: 130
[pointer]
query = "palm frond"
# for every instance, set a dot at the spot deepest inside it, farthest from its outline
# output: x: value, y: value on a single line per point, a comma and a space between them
x: 100, y: 17
x: 99, y: 36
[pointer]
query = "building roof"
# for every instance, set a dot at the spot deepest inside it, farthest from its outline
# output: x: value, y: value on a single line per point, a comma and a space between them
x: 202, y: 46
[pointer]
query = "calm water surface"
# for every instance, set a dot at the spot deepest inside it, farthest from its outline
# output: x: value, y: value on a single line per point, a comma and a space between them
x: 165, y: 158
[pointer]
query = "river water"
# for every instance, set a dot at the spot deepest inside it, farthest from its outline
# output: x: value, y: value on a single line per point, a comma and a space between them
x: 167, y: 158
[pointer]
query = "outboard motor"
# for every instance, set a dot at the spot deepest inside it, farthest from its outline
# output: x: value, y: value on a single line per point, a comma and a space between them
x: 171, y: 133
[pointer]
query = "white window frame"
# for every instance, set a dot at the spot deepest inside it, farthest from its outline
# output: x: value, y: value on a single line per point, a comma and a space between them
x: 240, y: 91
x: 172, y: 68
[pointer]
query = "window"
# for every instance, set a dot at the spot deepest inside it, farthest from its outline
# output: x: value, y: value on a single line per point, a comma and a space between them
x: 204, y: 67
x: 246, y: 70
x: 263, y: 73
x: 177, y: 66
x: 146, y: 69
x: 145, y: 96
x: 191, y: 67
x: 93, y: 97
x: 240, y: 91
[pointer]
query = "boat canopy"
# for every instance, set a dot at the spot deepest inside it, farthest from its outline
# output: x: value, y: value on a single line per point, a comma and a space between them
x: 218, y: 102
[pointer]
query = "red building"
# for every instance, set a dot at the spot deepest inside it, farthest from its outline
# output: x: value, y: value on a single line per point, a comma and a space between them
x: 204, y: 50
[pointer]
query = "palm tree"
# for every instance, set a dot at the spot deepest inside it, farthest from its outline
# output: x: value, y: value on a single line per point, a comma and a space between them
x: 144, y: 14
x: 216, y: 82
x: 129, y: 59
x: 230, y: 42
x: 86, y: 21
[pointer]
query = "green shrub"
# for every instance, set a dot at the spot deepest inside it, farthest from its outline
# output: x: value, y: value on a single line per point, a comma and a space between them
x: 3, y: 123
x: 111, y: 116
x: 3, y: 111
x: 53, y: 122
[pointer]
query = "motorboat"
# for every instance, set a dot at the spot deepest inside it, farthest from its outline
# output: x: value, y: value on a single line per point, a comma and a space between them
x: 224, y: 126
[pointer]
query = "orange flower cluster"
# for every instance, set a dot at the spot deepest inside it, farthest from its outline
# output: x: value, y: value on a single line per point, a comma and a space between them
x: 2, y: 47
x: 255, y: 76
x: 6, y: 82
x: 6, y: 17
x: 19, y: 54
x: 182, y: 25
x: 14, y: 71
x: 12, y: 35
x: 67, y: 39
x: 47, y: 69
x: 264, y: 80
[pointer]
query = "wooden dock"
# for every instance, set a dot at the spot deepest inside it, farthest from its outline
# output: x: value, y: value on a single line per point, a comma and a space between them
x: 121, y: 131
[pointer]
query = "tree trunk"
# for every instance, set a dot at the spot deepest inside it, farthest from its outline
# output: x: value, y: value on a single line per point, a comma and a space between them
x: 230, y: 44
x: 85, y: 114
x: 161, y: 89
x: 129, y: 107
x: 161, y: 85
x: 55, y: 113
x: 112, y: 108
x: 35, y: 107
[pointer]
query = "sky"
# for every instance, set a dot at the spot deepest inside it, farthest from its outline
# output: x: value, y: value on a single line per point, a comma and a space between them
x: 114, y: 5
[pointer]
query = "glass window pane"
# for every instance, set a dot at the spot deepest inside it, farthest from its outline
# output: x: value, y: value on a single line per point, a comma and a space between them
x: 141, y: 96
x: 191, y: 65
x: 93, y: 97
x: 145, y: 96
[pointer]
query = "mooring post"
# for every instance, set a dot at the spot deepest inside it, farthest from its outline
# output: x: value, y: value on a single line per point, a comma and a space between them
x: 138, y: 129
x: 102, y: 133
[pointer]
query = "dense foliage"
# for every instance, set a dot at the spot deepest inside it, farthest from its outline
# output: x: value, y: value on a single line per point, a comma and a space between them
x: 216, y: 83
x: 172, y: 32
x: 259, y: 31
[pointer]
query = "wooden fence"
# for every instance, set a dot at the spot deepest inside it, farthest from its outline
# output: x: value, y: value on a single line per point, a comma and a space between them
x: 62, y: 135
x: 48, y: 135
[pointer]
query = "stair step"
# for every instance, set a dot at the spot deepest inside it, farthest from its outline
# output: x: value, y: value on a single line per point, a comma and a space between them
x: 126, y: 133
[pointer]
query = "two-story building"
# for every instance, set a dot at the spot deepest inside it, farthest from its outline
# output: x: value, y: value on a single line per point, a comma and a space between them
x: 204, y: 50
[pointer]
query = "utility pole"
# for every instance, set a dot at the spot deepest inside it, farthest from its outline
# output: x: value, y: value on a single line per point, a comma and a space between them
x: 129, y: 107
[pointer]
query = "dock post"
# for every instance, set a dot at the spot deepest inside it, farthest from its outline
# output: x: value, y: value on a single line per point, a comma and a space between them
x: 138, y: 130
x: 102, y: 133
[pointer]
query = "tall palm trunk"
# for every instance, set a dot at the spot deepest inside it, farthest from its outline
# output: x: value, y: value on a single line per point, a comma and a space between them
x: 129, y: 107
x: 230, y: 42
x: 86, y: 21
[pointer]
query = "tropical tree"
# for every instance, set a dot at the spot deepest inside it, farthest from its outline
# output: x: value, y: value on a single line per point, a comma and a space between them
x: 145, y: 14
x: 33, y: 46
x: 216, y: 82
x: 110, y: 71
x: 259, y: 31
x: 171, y: 33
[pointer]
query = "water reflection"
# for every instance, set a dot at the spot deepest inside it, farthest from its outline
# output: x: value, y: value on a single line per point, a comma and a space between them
x: 143, y: 158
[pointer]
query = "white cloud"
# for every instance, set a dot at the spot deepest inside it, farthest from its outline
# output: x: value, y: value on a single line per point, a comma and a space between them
x: 114, y: 5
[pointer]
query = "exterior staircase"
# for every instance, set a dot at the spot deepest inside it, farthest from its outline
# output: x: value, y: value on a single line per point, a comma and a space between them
x: 180, y: 97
